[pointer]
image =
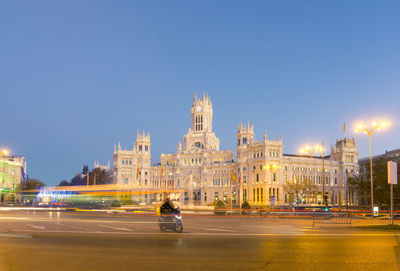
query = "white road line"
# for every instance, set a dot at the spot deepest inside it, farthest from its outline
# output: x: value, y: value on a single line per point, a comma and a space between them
x: 36, y: 227
x: 226, y: 230
x: 116, y: 228
x: 14, y: 235
x: 221, y: 233
x: 13, y: 218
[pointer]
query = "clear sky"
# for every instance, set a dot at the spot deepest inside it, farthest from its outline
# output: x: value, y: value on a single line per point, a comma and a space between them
x: 76, y: 77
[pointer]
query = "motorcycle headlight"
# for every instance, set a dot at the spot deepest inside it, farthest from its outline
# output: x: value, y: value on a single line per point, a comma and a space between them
x: 178, y: 217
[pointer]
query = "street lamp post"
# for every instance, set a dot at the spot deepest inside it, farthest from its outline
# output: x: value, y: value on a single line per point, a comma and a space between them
x: 369, y: 129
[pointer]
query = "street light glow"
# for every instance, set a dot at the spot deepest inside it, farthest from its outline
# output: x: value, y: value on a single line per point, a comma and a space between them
x: 310, y: 150
x: 4, y: 152
x: 373, y: 126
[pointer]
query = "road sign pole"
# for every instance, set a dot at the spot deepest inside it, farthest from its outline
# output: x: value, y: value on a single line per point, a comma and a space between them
x: 391, y: 203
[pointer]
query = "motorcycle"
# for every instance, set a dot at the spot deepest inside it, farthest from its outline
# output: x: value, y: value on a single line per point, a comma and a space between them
x: 171, y: 221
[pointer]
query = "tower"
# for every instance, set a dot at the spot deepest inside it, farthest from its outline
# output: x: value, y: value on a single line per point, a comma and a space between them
x: 200, y: 136
x: 245, y: 135
x: 142, y: 145
x: 201, y: 114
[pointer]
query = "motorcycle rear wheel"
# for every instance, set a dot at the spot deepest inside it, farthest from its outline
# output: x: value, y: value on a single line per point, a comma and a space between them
x: 179, y: 228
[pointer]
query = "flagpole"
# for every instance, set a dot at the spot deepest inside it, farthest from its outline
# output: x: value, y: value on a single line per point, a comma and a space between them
x: 231, y: 194
x: 240, y: 192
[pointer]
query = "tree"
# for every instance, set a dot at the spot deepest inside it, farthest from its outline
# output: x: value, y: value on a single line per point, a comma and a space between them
x: 85, y: 169
x: 300, y: 191
x: 30, y: 184
x: 380, y: 185
x: 100, y: 176
x: 79, y: 179
x: 64, y: 183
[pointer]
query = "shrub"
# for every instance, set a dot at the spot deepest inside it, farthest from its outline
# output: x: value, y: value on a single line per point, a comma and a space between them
x: 115, y: 203
x: 246, y: 205
x: 219, y: 204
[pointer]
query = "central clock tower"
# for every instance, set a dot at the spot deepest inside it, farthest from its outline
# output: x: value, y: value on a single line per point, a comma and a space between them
x: 200, y: 135
x: 201, y: 114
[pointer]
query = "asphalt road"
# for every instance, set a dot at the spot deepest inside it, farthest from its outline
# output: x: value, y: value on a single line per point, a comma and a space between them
x: 97, y: 241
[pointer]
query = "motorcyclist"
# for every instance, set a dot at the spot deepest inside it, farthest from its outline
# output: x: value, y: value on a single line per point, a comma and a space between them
x: 167, y: 207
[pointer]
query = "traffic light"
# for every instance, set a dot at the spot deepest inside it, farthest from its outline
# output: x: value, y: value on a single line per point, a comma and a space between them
x: 326, y: 199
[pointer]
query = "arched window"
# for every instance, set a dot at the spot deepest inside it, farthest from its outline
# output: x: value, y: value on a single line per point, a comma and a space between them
x: 123, y: 162
x: 197, y: 145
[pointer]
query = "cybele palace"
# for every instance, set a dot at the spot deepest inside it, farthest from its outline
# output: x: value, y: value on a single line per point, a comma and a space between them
x: 200, y: 173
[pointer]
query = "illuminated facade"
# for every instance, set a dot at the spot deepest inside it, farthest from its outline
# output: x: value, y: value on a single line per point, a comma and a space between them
x: 262, y: 171
x: 12, y: 173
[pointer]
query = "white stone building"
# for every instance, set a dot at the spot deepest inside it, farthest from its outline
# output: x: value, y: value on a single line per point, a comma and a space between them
x: 203, y: 173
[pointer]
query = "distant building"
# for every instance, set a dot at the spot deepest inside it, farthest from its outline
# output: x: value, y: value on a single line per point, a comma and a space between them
x: 261, y: 170
x: 12, y: 173
x: 393, y: 155
x: 364, y: 163
x: 103, y: 167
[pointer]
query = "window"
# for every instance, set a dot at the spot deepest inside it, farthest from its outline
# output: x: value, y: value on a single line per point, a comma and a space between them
x: 244, y: 179
x: 126, y: 181
x: 146, y: 148
x: 145, y: 182
x: 336, y: 180
x: 257, y: 177
x: 258, y: 194
x: 123, y: 162
x: 274, y: 177
x: 130, y: 162
x: 140, y: 147
x: 262, y: 194
x: 216, y: 196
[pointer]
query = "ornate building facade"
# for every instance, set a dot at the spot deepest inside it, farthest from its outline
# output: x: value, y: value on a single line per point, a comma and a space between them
x: 262, y: 174
x: 12, y: 173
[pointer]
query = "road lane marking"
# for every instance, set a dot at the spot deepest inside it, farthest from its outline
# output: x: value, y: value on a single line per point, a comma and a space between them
x: 36, y: 227
x: 14, y: 235
x: 116, y: 228
x: 226, y: 230
x: 13, y: 218
x: 220, y: 233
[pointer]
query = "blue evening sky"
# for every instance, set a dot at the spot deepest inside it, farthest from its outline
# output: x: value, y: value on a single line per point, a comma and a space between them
x: 76, y: 77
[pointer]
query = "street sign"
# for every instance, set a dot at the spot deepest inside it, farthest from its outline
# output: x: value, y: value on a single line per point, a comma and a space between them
x: 392, y: 179
x: 392, y: 172
x: 376, y: 210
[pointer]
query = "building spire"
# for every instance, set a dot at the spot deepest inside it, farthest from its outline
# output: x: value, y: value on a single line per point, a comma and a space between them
x: 265, y: 135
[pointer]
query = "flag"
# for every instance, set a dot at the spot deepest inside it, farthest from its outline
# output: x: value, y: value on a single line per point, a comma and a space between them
x: 344, y: 127
x: 137, y: 171
x: 233, y: 177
